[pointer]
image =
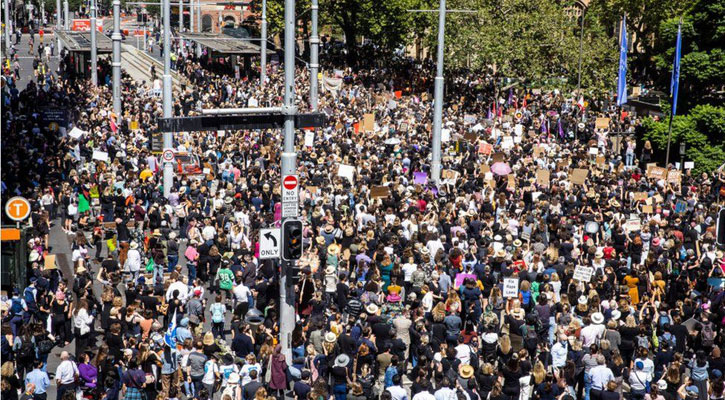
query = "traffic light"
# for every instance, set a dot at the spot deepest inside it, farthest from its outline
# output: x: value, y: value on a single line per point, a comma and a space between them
x: 721, y: 227
x: 291, y: 240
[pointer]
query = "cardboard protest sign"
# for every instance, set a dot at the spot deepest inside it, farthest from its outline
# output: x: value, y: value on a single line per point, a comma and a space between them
x: 657, y: 173
x: 616, y: 144
x: 542, y: 177
x: 638, y: 196
x: 674, y: 177
x: 133, y: 125
x: 511, y: 185
x: 601, y: 123
x: 368, y: 122
x: 579, y: 175
x: 583, y: 273
x: 377, y: 192
x: 510, y: 287
x: 469, y: 119
x: 449, y: 174
x: 507, y: 142
x: 470, y: 136
x: 49, y: 261
x: 538, y: 151
x: 647, y: 209
x: 601, y: 161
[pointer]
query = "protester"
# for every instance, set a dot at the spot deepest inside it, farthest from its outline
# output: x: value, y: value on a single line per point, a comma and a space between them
x: 551, y: 261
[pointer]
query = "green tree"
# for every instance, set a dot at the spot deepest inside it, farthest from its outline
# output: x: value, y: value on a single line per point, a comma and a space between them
x: 533, y: 40
x: 701, y: 130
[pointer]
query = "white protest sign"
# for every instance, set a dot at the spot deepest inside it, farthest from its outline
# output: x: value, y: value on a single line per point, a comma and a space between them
x: 583, y: 273
x: 309, y: 138
x: 445, y: 135
x: 76, y: 133
x: 346, y: 171
x: 100, y: 155
x: 510, y: 287
x: 518, y: 129
x: 689, y: 164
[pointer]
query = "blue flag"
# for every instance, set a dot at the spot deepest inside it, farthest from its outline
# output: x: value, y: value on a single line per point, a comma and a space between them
x: 622, y: 80
x: 675, y: 82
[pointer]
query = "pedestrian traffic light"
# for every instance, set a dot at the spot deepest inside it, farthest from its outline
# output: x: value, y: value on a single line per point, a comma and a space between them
x: 291, y: 240
x: 721, y: 227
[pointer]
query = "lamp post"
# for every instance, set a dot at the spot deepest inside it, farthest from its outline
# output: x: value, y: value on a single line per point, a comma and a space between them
x: 579, y: 74
x: 94, y: 49
x: 263, y: 45
x: 116, y: 64
x: 314, y: 57
x: 168, y: 136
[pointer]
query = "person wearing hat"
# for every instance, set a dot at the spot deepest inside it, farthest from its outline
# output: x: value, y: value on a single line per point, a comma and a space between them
x: 591, y: 333
x: 638, y: 381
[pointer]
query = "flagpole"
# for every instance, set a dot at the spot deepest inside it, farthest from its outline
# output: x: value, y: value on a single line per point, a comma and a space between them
x: 622, y: 40
x: 674, y: 85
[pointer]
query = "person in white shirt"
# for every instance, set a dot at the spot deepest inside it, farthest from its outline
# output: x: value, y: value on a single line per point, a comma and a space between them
x: 241, y: 297
x: 251, y: 365
x: 590, y: 333
x: 424, y: 395
x: 65, y: 375
x: 397, y: 391
x: 445, y: 392
x: 132, y: 266
x: 181, y: 286
x: 600, y: 375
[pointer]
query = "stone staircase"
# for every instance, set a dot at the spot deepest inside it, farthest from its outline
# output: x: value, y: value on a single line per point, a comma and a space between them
x: 138, y: 65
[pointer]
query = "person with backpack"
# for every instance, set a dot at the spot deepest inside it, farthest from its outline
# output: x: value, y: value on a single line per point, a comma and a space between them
x: 18, y: 309
x: 218, y: 310
x: 24, y: 351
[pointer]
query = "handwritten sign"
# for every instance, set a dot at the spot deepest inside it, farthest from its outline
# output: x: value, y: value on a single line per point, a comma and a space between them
x: 368, y: 122
x: 657, y: 173
x: 485, y: 148
x: 674, y: 177
x: 583, y: 273
x: 579, y: 175
x: 542, y: 177
x: 689, y: 164
x: 602, y: 123
x: 639, y: 196
x: 510, y: 287
x: 379, y: 192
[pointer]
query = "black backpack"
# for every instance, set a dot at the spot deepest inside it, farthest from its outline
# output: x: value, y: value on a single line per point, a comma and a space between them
x: 26, y: 350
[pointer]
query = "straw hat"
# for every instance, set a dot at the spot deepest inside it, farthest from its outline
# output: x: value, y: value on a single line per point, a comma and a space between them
x: 518, y: 313
x: 81, y: 269
x: 333, y: 249
x: 465, y: 371
x: 330, y: 270
x: 133, y: 246
x: 208, y: 339
x: 372, y: 308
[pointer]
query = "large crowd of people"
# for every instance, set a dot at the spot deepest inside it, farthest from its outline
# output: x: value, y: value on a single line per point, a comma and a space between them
x: 552, y: 261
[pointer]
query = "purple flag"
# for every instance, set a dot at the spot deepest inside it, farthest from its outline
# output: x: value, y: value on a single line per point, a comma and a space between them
x: 544, y: 128
x: 420, y: 178
x: 561, y: 130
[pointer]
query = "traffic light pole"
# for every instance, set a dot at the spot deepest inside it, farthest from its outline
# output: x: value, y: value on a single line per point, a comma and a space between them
x: 116, y: 37
x: 314, y: 55
x: 263, y: 45
x: 168, y: 136
x: 94, y: 50
x: 289, y: 167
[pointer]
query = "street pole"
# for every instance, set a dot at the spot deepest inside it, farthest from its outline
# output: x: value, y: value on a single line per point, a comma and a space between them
x: 6, y: 3
x: 181, y: 15
x: 263, y: 64
x: 314, y: 53
x: 58, y: 27
x: 191, y: 16
x: 435, y: 165
x: 66, y: 21
x: 198, y: 17
x: 289, y: 167
x: 116, y: 64
x: 168, y: 136
x: 579, y: 75
x: 94, y: 44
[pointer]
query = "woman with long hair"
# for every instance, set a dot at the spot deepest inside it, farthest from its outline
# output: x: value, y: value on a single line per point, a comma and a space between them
x: 83, y: 325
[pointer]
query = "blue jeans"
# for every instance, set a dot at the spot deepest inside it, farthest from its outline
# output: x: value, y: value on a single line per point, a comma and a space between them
x: 587, y: 385
x: 173, y: 259
x: 340, y: 391
x: 629, y: 159
x: 192, y: 271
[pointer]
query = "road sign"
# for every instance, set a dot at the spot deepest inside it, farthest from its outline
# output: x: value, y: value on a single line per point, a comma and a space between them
x: 17, y: 208
x: 168, y: 155
x: 269, y: 243
x: 290, y: 196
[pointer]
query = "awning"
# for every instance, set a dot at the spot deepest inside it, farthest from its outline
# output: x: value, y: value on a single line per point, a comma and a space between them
x: 225, y: 44
x: 76, y: 41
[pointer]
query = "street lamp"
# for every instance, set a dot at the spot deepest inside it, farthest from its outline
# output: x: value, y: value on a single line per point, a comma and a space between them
x: 682, y: 155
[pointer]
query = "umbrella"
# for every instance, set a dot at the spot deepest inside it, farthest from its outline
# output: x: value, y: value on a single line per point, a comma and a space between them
x: 500, y: 168
x: 392, y: 141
